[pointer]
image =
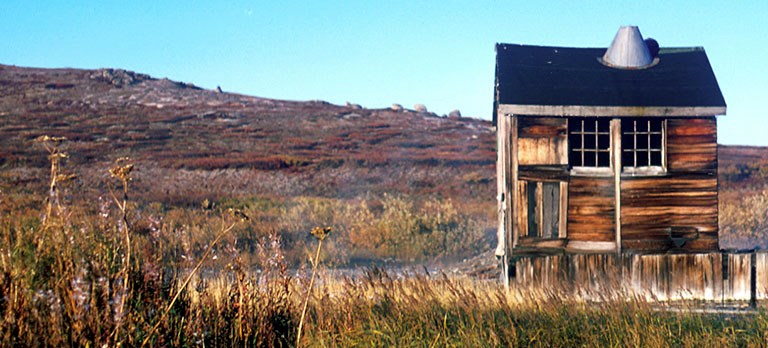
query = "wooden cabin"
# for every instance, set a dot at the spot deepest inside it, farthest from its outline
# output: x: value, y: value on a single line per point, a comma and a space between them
x: 606, y: 150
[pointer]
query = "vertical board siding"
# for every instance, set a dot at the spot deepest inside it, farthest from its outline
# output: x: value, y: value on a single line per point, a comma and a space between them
x: 542, y: 141
x: 713, y: 276
x: 591, y: 208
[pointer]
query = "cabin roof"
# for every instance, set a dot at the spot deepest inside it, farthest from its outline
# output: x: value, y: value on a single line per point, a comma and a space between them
x: 565, y: 81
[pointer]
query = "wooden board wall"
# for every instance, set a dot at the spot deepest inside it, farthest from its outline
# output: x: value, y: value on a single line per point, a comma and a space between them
x: 591, y: 209
x: 650, y: 207
x: 692, y: 145
x: 542, y: 141
x: 542, y: 157
x: 685, y: 198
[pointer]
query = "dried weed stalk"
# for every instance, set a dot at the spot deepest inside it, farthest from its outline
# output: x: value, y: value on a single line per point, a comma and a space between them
x: 320, y: 233
x: 55, y: 156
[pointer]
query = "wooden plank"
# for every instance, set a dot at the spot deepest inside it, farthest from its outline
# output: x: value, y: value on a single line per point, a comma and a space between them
x: 563, y: 226
x: 543, y: 172
x: 548, y: 127
x: 502, y: 195
x: 542, y: 243
x: 692, y: 145
x: 542, y: 151
x: 550, y: 218
x: 591, y: 245
x: 522, y: 208
x: 541, y: 227
x: 616, y: 166
x: 512, y: 168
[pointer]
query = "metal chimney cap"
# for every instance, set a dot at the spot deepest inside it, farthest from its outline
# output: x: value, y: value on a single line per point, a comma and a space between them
x: 628, y: 50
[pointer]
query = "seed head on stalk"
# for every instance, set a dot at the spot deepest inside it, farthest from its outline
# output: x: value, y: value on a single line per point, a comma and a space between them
x: 321, y: 232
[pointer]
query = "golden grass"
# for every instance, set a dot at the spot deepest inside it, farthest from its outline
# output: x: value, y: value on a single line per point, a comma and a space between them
x: 79, y: 276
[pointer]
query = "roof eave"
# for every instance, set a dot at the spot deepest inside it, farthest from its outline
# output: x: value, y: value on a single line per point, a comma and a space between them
x: 610, y: 111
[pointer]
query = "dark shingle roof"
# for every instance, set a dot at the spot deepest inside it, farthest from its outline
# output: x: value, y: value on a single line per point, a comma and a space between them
x: 537, y: 75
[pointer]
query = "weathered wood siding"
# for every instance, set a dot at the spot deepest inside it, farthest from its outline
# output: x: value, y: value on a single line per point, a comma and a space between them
x: 542, y: 140
x: 728, y: 278
x: 591, y: 209
x: 683, y: 199
x: 542, y: 159
x: 692, y: 145
x: 652, y: 207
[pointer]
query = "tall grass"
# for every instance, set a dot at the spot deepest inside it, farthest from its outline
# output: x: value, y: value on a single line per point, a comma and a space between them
x: 67, y: 294
x: 113, y: 274
x: 744, y: 222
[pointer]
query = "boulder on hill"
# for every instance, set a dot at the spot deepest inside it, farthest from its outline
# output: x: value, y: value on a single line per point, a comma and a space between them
x: 354, y: 106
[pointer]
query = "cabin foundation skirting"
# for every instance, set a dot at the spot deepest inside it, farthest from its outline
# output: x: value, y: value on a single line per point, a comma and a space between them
x: 719, y: 277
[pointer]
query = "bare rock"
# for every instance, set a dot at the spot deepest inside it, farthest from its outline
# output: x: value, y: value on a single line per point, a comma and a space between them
x: 454, y: 114
x: 354, y: 106
x: 420, y: 108
x: 119, y: 77
x: 397, y: 107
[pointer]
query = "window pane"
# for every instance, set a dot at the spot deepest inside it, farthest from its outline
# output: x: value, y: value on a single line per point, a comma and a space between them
x: 656, y: 141
x: 604, y: 125
x: 628, y: 159
x: 589, y: 159
x: 589, y: 141
x: 589, y: 125
x: 627, y: 126
x: 642, y: 158
x: 575, y: 141
x: 574, y: 159
x: 604, y: 141
x: 656, y: 125
x: 627, y: 141
x: 604, y: 159
x: 656, y: 158
x: 533, y: 226
x: 642, y: 125
x: 574, y: 125
x: 642, y: 141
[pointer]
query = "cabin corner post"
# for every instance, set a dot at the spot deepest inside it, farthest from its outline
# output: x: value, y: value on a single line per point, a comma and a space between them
x: 616, y: 164
x: 503, y: 177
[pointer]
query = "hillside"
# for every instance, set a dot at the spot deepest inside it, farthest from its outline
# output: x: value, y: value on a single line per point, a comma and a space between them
x: 235, y: 143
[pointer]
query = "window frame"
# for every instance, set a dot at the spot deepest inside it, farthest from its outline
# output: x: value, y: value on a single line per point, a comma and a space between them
x: 595, y: 170
x: 650, y: 169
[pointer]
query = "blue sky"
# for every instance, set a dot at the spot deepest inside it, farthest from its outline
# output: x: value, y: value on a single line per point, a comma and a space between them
x: 375, y: 53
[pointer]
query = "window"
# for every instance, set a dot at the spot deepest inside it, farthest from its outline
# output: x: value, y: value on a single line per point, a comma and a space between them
x: 589, y: 142
x: 541, y: 208
x: 642, y: 143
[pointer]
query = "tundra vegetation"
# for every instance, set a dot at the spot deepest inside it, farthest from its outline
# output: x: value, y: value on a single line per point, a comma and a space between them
x: 117, y: 271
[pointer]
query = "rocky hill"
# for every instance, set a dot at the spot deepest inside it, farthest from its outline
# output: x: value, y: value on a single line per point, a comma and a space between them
x: 192, y: 143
